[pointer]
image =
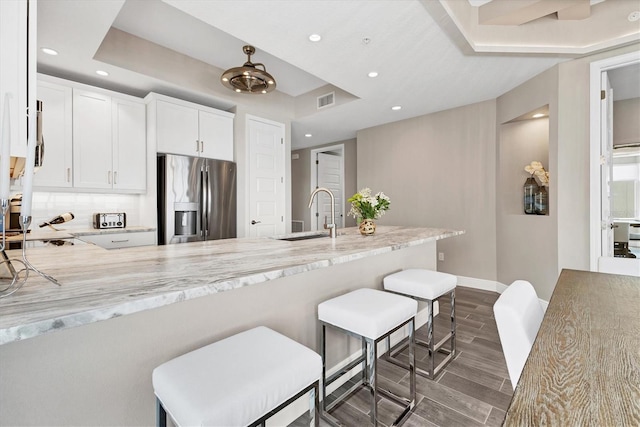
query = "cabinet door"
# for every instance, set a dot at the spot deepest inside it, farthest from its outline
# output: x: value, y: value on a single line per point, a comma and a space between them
x: 57, y: 136
x: 14, y: 71
x: 129, y: 145
x: 92, y: 140
x: 122, y: 240
x: 177, y: 129
x: 216, y: 134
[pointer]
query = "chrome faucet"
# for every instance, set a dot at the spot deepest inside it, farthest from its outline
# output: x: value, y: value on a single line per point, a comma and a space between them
x: 332, y: 226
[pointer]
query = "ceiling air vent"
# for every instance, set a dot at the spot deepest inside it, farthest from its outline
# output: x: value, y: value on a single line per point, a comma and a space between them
x: 326, y: 100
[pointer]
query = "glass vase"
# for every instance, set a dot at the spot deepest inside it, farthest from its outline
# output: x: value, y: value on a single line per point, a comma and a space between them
x: 530, y: 189
x: 542, y: 201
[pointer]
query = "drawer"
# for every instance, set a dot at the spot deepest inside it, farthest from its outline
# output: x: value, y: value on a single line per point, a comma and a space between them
x: 122, y: 240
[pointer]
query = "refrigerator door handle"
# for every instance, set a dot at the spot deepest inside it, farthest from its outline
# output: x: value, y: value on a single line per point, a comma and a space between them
x: 207, y: 209
x: 202, y: 205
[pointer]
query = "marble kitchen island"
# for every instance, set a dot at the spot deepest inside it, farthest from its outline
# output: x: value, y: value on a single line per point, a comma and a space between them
x: 83, y: 353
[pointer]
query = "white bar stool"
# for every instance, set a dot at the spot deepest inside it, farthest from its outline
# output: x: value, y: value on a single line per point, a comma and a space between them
x: 238, y: 381
x: 428, y: 286
x: 369, y: 315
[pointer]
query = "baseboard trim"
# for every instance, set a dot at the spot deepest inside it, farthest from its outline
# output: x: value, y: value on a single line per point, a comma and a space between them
x: 483, y: 284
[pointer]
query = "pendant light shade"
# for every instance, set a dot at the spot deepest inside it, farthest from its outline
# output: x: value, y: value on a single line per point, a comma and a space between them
x: 249, y: 78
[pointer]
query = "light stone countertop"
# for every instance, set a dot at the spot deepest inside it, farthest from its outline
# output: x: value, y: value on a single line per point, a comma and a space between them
x: 98, y: 284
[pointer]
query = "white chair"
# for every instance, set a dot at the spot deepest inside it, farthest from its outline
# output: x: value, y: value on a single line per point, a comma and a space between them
x: 518, y: 316
x: 239, y: 381
x: 369, y: 315
x: 427, y: 286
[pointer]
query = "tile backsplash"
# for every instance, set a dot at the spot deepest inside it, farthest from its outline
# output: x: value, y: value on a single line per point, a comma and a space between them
x: 46, y: 205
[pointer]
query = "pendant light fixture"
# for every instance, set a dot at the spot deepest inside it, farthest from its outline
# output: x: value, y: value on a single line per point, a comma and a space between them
x: 249, y: 78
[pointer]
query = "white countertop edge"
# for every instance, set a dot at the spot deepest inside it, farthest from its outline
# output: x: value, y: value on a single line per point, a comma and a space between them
x: 33, y: 329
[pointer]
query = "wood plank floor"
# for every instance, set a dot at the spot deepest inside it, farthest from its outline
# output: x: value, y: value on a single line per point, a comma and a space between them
x: 473, y: 390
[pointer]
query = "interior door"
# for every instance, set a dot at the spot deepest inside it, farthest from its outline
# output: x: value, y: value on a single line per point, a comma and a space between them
x: 330, y: 171
x: 266, y: 178
x: 606, y: 165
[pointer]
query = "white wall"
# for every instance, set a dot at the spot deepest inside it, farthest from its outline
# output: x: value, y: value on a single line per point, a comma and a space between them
x: 440, y: 171
x: 527, y: 244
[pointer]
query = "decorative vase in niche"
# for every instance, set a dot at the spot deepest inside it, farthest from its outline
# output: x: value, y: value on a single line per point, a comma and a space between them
x: 367, y: 227
x: 530, y: 189
x: 542, y: 201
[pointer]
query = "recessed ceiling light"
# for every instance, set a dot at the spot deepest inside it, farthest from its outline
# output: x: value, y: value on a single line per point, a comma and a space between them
x: 396, y: 107
x: 634, y: 16
x: 373, y: 74
x: 102, y: 73
x: 538, y: 115
x: 308, y: 135
x: 315, y: 37
x: 49, y: 51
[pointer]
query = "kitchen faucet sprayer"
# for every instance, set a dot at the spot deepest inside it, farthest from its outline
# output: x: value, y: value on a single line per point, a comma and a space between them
x: 332, y: 226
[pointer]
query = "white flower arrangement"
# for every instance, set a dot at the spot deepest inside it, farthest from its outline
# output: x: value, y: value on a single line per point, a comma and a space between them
x: 536, y: 168
x: 367, y: 206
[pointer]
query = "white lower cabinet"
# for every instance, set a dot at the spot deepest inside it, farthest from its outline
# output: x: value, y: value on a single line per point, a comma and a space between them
x: 121, y: 240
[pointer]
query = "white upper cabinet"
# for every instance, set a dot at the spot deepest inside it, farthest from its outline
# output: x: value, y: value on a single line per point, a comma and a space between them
x: 57, y: 167
x: 177, y: 129
x: 216, y: 135
x: 181, y: 127
x: 109, y: 142
x: 129, y: 145
x: 92, y: 140
x: 15, y: 75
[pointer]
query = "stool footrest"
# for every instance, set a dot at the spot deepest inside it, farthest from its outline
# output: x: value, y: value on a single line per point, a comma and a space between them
x: 394, y: 397
x: 331, y: 378
x: 339, y: 399
x: 390, y: 356
x: 438, y: 346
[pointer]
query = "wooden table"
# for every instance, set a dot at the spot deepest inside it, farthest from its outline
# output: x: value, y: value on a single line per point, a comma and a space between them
x: 584, y: 367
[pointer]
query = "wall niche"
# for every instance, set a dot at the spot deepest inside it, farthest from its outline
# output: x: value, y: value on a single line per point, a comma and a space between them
x: 522, y: 140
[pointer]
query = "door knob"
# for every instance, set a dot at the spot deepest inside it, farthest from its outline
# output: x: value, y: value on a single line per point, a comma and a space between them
x: 254, y: 222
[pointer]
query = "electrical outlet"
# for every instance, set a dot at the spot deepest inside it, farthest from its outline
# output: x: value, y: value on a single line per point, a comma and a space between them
x: 440, y: 256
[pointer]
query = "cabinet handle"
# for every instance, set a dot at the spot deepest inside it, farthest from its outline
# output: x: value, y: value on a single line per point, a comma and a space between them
x: 115, y: 177
x: 109, y: 177
x: 202, y: 146
x: 197, y: 145
x: 68, y: 174
x: 120, y: 241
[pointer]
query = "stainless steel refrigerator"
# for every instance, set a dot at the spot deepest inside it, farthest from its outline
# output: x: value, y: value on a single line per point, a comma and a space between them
x: 196, y: 199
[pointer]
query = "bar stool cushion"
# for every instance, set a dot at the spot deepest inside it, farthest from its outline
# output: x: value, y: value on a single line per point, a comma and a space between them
x: 419, y: 283
x: 367, y: 312
x: 235, y: 381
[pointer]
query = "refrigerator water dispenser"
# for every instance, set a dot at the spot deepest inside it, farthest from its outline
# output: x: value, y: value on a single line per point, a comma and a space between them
x: 186, y: 219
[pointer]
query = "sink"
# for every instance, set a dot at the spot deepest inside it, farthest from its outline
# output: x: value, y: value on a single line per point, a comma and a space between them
x: 304, y: 237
